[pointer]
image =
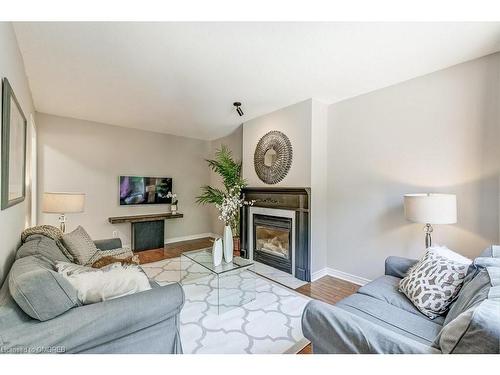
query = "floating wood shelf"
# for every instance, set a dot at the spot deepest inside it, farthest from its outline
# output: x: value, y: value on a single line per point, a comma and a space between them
x: 142, y: 218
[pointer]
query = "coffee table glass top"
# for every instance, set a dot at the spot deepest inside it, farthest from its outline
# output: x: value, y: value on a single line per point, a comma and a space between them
x: 203, y: 257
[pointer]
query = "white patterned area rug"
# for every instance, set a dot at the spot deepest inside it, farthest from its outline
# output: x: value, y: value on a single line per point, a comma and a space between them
x: 270, y: 324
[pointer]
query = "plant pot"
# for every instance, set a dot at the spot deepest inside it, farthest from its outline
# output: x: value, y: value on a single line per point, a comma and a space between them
x: 228, y: 244
x: 236, y: 246
x: 173, y: 208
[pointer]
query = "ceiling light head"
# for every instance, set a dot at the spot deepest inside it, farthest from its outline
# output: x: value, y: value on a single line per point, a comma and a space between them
x: 238, y: 108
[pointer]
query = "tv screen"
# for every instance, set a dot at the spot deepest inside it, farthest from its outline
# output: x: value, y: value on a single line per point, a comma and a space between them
x: 144, y: 190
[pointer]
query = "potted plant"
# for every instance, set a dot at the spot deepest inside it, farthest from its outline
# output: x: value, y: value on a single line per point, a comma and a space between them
x: 227, y: 199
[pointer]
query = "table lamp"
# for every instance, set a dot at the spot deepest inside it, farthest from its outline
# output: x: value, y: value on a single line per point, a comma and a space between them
x: 429, y: 208
x: 63, y: 203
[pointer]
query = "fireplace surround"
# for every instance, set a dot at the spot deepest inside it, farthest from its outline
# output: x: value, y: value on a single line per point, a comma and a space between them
x: 276, y: 229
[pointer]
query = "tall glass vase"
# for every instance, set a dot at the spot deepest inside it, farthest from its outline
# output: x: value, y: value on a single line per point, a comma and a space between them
x: 228, y: 244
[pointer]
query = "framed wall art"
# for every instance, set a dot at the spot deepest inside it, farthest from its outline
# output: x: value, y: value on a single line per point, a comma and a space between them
x: 13, y: 151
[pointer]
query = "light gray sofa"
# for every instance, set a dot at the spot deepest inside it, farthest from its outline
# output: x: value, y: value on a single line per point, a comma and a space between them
x: 39, y: 311
x: 380, y: 319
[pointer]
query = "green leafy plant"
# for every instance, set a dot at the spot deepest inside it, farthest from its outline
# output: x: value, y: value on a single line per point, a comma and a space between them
x: 230, y: 171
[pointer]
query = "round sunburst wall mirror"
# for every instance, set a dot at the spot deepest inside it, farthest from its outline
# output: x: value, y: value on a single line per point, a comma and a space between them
x: 273, y: 157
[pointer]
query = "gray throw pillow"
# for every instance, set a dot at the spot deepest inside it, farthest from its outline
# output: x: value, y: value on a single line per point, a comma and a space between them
x: 80, y: 245
x: 475, y: 331
x: 433, y: 283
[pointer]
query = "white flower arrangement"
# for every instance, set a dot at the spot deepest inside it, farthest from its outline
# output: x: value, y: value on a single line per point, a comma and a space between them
x: 229, y: 209
x: 173, y: 196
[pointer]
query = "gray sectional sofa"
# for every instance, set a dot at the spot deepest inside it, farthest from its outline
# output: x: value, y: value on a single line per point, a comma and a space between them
x: 39, y: 311
x: 380, y: 319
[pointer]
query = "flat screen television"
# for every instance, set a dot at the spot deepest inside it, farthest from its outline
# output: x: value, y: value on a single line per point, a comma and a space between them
x: 144, y: 190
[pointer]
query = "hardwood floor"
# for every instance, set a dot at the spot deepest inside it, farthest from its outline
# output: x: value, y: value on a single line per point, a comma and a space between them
x: 327, y: 289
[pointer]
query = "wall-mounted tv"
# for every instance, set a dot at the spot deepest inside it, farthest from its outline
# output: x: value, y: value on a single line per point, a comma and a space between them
x: 144, y: 190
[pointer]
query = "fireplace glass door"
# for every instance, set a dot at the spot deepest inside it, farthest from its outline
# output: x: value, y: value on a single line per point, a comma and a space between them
x: 272, y: 238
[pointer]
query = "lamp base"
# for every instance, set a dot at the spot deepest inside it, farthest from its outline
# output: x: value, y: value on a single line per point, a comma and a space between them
x: 62, y: 223
x: 428, y: 238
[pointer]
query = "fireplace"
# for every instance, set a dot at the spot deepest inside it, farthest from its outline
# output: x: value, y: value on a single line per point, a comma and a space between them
x: 275, y: 230
x: 272, y: 241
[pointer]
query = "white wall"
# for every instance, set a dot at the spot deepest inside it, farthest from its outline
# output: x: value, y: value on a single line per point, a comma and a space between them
x: 77, y: 155
x: 437, y: 133
x: 295, y: 122
x: 13, y: 219
x: 305, y: 124
x: 234, y: 142
x: 319, y: 184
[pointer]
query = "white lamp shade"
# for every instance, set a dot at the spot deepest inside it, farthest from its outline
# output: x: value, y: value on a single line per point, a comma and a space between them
x: 63, y: 203
x: 431, y: 208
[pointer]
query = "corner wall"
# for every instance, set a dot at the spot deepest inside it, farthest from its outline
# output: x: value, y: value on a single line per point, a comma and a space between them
x: 77, y: 155
x: 235, y: 143
x: 436, y: 133
x: 14, y: 219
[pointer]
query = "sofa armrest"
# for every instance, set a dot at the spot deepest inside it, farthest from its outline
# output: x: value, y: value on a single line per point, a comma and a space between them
x: 333, y: 330
x: 108, y: 244
x: 398, y: 266
x: 85, y: 327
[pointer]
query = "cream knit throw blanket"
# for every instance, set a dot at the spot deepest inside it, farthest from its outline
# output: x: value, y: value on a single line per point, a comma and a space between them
x: 50, y: 232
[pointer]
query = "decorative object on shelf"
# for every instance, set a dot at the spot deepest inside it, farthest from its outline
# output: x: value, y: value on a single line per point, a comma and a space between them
x: 217, y: 252
x: 429, y: 208
x: 228, y: 244
x: 173, y: 205
x: 63, y: 203
x: 228, y: 200
x: 273, y: 157
x: 13, y: 148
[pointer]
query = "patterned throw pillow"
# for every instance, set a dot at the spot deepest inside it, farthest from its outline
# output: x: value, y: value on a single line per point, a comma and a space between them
x: 80, y: 245
x: 433, y: 283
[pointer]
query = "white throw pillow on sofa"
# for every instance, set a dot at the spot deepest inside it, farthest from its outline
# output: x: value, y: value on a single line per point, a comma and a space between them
x: 97, y: 285
x: 450, y: 254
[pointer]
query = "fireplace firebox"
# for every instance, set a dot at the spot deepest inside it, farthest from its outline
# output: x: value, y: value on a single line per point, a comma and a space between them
x: 281, y: 229
x: 272, y: 241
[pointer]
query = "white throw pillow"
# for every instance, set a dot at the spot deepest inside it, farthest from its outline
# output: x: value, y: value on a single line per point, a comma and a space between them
x: 450, y: 254
x: 97, y: 285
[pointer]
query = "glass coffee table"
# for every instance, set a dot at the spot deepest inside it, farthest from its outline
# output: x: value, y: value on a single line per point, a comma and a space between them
x: 232, y: 284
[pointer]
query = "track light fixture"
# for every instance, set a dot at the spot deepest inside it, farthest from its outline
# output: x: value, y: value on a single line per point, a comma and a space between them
x: 238, y: 108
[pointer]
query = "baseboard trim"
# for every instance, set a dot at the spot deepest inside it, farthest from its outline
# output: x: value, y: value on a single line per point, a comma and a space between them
x: 358, y: 280
x: 191, y: 237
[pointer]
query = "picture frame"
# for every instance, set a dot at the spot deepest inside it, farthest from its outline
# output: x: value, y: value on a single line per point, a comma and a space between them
x: 13, y: 152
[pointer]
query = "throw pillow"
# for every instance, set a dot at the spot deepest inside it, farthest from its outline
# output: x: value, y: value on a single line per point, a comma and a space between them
x: 80, y: 245
x: 97, y: 285
x: 433, y: 283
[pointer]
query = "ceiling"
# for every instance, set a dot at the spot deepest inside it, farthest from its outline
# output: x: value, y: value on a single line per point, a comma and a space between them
x: 182, y: 78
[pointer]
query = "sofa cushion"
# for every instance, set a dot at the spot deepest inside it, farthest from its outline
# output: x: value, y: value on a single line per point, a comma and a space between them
x: 38, y: 290
x: 386, y: 288
x: 473, y: 292
x: 491, y: 252
x: 80, y: 245
x: 416, y: 327
x: 476, y: 328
